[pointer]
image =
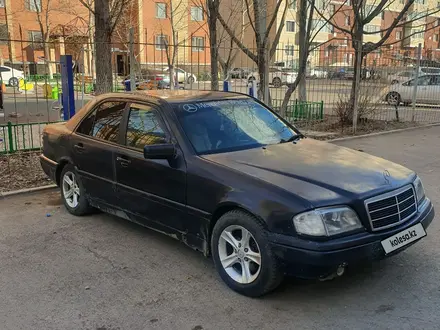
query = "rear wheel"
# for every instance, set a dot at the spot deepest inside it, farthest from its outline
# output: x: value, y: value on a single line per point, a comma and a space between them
x: 393, y: 98
x: 191, y: 80
x: 242, y: 254
x: 276, y: 82
x: 72, y: 192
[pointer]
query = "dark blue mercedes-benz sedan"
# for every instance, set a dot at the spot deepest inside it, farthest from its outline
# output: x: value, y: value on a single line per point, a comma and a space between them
x: 227, y: 176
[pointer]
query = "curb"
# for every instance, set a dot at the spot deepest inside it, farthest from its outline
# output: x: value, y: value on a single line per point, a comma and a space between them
x: 382, y: 133
x: 26, y: 190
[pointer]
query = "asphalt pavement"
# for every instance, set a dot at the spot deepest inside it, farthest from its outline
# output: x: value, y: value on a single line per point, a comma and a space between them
x: 101, y: 272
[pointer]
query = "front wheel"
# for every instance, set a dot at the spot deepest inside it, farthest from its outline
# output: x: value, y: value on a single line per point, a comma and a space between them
x: 393, y: 98
x: 13, y: 82
x: 276, y: 82
x: 191, y: 80
x: 72, y: 192
x: 243, y: 256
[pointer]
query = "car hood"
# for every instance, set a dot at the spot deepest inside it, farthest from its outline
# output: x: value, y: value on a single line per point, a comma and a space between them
x: 321, y: 173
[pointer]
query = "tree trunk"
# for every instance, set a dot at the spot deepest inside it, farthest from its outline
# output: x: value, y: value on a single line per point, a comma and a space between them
x: 354, y: 85
x: 104, y: 74
x: 47, y: 60
x: 262, y: 73
x: 212, y: 25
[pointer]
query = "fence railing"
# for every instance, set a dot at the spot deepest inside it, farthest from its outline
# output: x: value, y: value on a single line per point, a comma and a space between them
x: 296, y: 111
x: 21, y: 137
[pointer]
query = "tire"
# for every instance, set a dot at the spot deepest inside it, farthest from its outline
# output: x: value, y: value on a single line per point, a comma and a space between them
x: 276, y: 82
x: 82, y: 206
x: 260, y: 279
x: 14, y: 82
x: 393, y: 98
x: 190, y: 80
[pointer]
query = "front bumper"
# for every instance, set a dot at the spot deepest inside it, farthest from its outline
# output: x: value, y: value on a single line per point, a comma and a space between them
x: 315, y: 259
x: 49, y: 167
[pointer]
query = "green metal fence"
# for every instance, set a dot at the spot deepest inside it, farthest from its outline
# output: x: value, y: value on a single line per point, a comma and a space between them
x: 301, y: 110
x: 21, y: 137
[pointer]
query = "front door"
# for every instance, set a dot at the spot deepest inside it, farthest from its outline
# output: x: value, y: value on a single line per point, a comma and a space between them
x: 154, y: 190
x: 93, y: 145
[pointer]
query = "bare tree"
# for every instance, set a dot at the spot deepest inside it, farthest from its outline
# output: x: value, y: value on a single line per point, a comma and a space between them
x: 265, y: 48
x: 363, y: 14
x: 106, y: 15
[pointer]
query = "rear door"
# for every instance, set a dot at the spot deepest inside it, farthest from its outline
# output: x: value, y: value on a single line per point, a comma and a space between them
x: 93, y: 144
x: 154, y: 190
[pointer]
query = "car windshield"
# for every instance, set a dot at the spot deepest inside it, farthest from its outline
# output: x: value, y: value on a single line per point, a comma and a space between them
x: 230, y: 125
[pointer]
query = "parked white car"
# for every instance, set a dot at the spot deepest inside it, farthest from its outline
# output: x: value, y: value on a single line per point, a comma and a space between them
x: 183, y: 77
x: 277, y: 77
x: 428, y: 91
x: 411, y: 73
x: 317, y: 73
x: 10, y: 76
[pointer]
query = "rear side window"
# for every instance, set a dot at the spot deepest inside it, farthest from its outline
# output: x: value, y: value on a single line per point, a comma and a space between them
x: 144, y: 127
x: 104, y: 122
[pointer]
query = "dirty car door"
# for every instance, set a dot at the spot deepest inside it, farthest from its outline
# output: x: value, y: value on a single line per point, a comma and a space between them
x: 93, y: 144
x: 152, y: 189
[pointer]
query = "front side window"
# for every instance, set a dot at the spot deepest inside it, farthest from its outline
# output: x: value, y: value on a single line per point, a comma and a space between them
x: 228, y: 125
x: 103, y: 123
x: 421, y: 81
x: 144, y: 127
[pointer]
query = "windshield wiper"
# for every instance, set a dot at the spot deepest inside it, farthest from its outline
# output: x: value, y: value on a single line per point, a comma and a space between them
x: 293, y: 138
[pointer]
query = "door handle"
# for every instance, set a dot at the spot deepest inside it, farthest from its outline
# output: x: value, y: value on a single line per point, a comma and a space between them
x: 123, y: 161
x: 79, y: 147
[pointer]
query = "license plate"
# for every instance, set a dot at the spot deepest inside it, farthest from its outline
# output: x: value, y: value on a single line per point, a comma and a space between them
x: 403, y: 238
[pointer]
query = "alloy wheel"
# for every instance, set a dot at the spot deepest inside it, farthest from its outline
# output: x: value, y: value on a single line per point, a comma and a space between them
x: 71, y: 190
x: 239, y: 254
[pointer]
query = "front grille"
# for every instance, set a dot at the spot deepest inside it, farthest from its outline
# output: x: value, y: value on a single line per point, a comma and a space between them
x: 392, y: 208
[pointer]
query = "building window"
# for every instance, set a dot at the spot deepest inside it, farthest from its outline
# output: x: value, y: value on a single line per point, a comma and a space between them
x: 290, y: 50
x: 326, y: 53
x: 332, y: 9
x: 420, y: 2
x: 290, y: 26
x: 161, y: 41
x: 198, y: 44
x: 345, y: 58
x: 2, y: 3
x: 383, y: 15
x: 345, y: 41
x: 33, y: 5
x: 347, y: 20
x: 371, y: 28
x: 398, y: 35
x: 161, y: 10
x: 438, y: 4
x: 292, y: 4
x: 196, y: 14
x: 36, y: 39
x: 436, y: 37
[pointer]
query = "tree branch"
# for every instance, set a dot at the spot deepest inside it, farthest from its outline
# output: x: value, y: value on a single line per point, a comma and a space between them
x: 88, y: 6
x: 245, y: 50
x: 275, y: 42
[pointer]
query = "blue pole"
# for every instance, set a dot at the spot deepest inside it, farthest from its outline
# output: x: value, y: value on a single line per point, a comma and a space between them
x: 68, y: 99
x: 226, y: 86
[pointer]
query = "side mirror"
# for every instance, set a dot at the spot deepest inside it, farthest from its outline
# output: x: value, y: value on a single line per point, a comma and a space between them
x: 160, y: 151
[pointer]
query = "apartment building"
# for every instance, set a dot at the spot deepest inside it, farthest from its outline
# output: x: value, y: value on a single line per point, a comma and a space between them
x: 23, y: 24
x: 70, y: 30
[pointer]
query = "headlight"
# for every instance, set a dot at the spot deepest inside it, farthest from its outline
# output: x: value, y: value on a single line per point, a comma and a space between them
x: 420, y: 192
x: 327, y: 221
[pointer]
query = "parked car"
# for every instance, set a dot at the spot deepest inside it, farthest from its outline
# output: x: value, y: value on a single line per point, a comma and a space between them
x: 317, y: 73
x: 241, y: 73
x: 401, y: 76
x: 428, y: 91
x: 11, y: 76
x: 183, y: 77
x: 227, y: 176
x: 277, y: 77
